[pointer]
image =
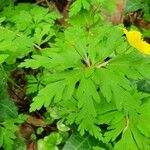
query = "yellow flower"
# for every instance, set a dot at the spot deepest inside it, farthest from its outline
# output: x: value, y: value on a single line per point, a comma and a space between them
x: 135, y: 39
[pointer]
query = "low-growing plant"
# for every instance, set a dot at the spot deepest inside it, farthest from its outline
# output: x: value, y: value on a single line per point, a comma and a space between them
x: 9, y: 118
x: 88, y: 75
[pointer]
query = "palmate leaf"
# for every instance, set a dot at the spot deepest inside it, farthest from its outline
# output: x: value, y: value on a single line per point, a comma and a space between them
x: 87, y: 114
x: 116, y: 88
x: 143, y: 121
x: 73, y: 48
x: 70, y: 113
x: 59, y: 87
x: 13, y: 46
x: 130, y: 129
x: 38, y: 25
x: 89, y: 67
x: 84, y: 19
x: 77, y: 142
x: 63, y: 88
x: 133, y: 139
x: 36, y: 62
x: 133, y: 65
x: 127, y: 129
x: 79, y: 5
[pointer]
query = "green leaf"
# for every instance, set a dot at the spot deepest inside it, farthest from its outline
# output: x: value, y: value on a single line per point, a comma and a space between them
x: 62, y: 127
x: 4, y: 3
x: 131, y: 130
x: 84, y: 70
x: 58, y: 88
x: 116, y: 125
x: 32, y: 85
x: 8, y: 130
x: 132, y: 139
x: 143, y: 122
x: 76, y: 7
x: 2, y: 19
x: 3, y: 58
x: 36, y: 62
x: 7, y: 106
x: 20, y: 144
x: 13, y: 46
x: 45, y: 96
x: 114, y: 87
x: 7, y: 109
x: 77, y: 142
x: 133, y: 65
x: 85, y: 19
x: 80, y: 5
x: 38, y: 25
x: 98, y: 148
x: 134, y: 5
x: 127, y: 140
x: 50, y: 142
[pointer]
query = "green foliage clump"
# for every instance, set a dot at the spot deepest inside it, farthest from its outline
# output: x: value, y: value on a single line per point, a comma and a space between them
x: 88, y: 78
x: 8, y: 130
x: 80, y: 5
x: 33, y: 21
x: 87, y: 71
x: 22, y: 28
x: 52, y: 141
x: 10, y: 46
x: 9, y: 118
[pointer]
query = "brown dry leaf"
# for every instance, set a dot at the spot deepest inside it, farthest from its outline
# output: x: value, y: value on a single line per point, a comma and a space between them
x: 32, y: 146
x: 37, y: 122
x: 26, y: 130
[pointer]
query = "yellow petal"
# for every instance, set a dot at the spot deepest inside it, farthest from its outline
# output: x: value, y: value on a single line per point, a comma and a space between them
x: 144, y: 47
x: 135, y: 39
